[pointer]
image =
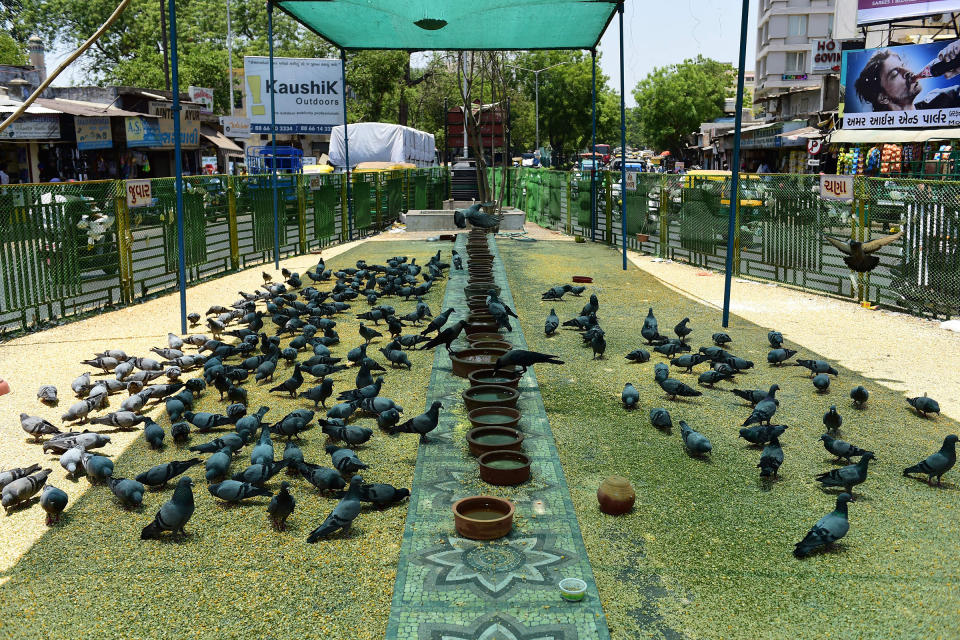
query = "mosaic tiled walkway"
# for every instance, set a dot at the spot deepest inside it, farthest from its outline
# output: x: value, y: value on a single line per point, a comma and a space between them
x: 451, y: 588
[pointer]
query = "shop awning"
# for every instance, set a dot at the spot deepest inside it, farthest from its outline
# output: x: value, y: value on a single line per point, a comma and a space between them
x: 806, y: 133
x: 879, y: 136
x: 221, y: 141
x: 9, y: 106
x: 86, y: 109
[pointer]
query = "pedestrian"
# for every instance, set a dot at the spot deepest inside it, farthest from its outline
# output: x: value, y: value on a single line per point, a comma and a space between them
x: 4, y: 177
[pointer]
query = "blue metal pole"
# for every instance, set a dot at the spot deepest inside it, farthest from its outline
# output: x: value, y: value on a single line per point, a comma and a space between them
x: 623, y: 150
x: 273, y: 135
x: 593, y: 150
x: 346, y: 143
x: 735, y: 182
x: 178, y: 163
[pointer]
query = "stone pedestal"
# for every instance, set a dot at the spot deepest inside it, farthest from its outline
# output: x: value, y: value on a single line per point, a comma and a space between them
x: 442, y: 220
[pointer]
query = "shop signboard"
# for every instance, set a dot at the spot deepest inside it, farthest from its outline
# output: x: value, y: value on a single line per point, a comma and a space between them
x: 235, y: 127
x: 204, y: 96
x: 307, y: 94
x: 208, y: 164
x: 902, y: 87
x: 33, y: 127
x: 93, y: 133
x: 837, y: 188
x: 157, y: 133
x: 631, y: 180
x: 138, y: 193
x: 825, y: 56
x: 874, y: 11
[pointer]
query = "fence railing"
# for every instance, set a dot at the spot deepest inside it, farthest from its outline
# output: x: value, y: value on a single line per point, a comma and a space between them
x: 781, y: 228
x: 71, y: 248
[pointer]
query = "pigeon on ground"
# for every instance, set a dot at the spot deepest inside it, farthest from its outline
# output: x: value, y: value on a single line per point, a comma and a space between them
x: 775, y: 338
x: 319, y: 393
x: 343, y: 514
x: 839, y: 448
x: 388, y: 419
x: 599, y: 344
x: 857, y: 254
x: 291, y: 384
x: 650, y: 330
x: 234, y: 441
x: 81, y: 385
x: 368, y: 334
x: 828, y: 529
x: 816, y: 366
x: 822, y: 382
x: 206, y: 421
x: 763, y: 411
x: 22, y: 489
x: 688, y: 361
x: 37, y: 427
x: 259, y: 474
x: 382, y: 495
x: 159, y: 475
x: 72, y: 460
x: 711, y: 377
x: 682, y: 330
x: 671, y: 387
x: 153, y: 434
x: 8, y: 476
x: 323, y: 478
x: 96, y: 467
x: 344, y: 460
x: 128, y: 492
x: 180, y: 432
x: 445, y: 337
x: 524, y: 359
x: 639, y: 356
x: 122, y: 420
x: 762, y: 434
x: 48, y: 394
x: 922, y: 404
x: 175, y: 513
x: 720, y: 338
x: 263, y: 452
x: 53, y: 501
x: 859, y: 395
x: 234, y: 491
x: 551, y: 324
x: 293, y: 456
x: 779, y: 356
x: 695, y: 442
x: 281, y: 506
x: 217, y: 465
x: 832, y: 420
x: 660, y: 418
x: 630, y: 397
x: 438, y: 321
x: 64, y: 441
x: 771, y: 458
x: 350, y: 434
x: 937, y: 463
x: 847, y: 477
x: 421, y: 424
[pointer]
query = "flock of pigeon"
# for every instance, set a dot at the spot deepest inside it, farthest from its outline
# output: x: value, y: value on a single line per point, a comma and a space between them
x: 306, y: 316
x: 757, y: 428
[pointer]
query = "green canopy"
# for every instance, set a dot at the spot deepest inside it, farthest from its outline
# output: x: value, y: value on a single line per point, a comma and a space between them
x: 455, y: 24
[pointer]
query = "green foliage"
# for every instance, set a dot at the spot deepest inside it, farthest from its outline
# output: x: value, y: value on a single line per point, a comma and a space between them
x: 11, y: 51
x: 674, y: 100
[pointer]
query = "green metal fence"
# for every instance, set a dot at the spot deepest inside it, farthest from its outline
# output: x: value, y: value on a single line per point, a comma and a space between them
x: 71, y: 248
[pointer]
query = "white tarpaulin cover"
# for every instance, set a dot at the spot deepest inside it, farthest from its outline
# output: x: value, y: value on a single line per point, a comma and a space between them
x: 381, y: 142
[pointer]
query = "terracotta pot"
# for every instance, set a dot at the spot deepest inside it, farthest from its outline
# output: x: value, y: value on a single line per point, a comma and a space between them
x: 468, y: 360
x: 509, y: 377
x: 4, y: 387
x: 491, y: 344
x: 481, y: 327
x: 484, y: 524
x: 478, y: 298
x: 616, y: 496
x: 494, y: 417
x: 473, y: 318
x: 473, y: 290
x: 479, y: 337
x: 490, y: 395
x: 485, y: 439
x: 504, y: 467
x: 477, y: 307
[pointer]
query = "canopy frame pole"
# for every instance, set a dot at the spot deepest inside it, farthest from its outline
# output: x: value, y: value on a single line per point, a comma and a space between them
x: 735, y: 179
x: 178, y: 164
x: 346, y: 143
x: 273, y: 137
x: 623, y: 147
x: 593, y: 149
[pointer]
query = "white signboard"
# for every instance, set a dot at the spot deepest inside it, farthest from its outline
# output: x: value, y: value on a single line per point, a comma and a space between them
x: 309, y: 160
x: 825, y: 56
x: 235, y: 127
x: 307, y: 94
x: 204, y: 96
x: 33, y: 127
x: 679, y: 166
x: 138, y: 193
x: 631, y: 180
x: 838, y: 188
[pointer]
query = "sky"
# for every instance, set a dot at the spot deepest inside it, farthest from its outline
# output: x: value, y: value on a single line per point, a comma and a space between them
x: 656, y: 33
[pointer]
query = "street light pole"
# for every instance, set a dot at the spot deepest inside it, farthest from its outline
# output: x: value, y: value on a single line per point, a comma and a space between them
x: 230, y: 58
x: 536, y: 91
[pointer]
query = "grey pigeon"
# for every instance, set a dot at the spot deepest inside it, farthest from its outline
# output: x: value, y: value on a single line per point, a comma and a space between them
x: 847, y: 477
x: 382, y: 494
x: 153, y: 434
x: 344, y: 460
x: 217, y: 465
x: 660, y: 418
x: 720, y: 338
x: 828, y: 529
x: 937, y: 463
x: 323, y: 478
x: 343, y: 514
x: 159, y: 475
x: 630, y: 396
x: 822, y: 382
x: 293, y: 456
x: 688, y: 361
x: 639, y: 355
x: 771, y: 458
x: 551, y: 323
x: 762, y: 433
x: 840, y: 448
x: 671, y: 387
x: 120, y: 419
x: 22, y: 489
x: 779, y: 356
x: 234, y: 491
x: 48, y: 394
x: 710, y: 377
x: 524, y: 359
x: 922, y: 404
x: 128, y: 492
x: 37, y: 427
x: 859, y: 395
x: 259, y: 474
x: 81, y: 385
x: 319, y: 393
x: 599, y: 344
x: 695, y: 442
x: 816, y: 366
x: 8, y: 476
x: 350, y: 434
x: 96, y: 467
x: 342, y: 411
x: 763, y: 411
x: 832, y: 420
x: 294, y: 423
x: 281, y: 506
x: 682, y: 330
x: 204, y: 421
x: 421, y: 424
x: 174, y: 514
x: 70, y: 439
x: 180, y: 431
x: 72, y: 460
x: 234, y: 441
x: 53, y: 501
x: 857, y: 254
x: 775, y: 338
x: 263, y: 452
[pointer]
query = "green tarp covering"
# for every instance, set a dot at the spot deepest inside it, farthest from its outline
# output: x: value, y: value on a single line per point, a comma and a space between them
x: 361, y: 205
x: 324, y: 210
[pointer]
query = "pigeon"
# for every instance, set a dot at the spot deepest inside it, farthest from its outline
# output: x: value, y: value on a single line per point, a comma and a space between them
x: 387, y: 419
x: 217, y: 465
x: 206, y: 421
x: 720, y: 338
x: 682, y: 330
x: 591, y: 307
x: 323, y: 478
x: 711, y: 377
x: 66, y: 441
x: 847, y: 477
x: 937, y: 463
x: 128, y: 492
x: 763, y: 411
x: 671, y: 387
x: 281, y: 506
x: 96, y: 467
x: 524, y: 359
x: 122, y: 420
x: 263, y: 452
x: 639, y: 356
x: 194, y: 319
x: 695, y: 442
x: 174, y: 514
x: 48, y: 394
x: 822, y: 382
x: 343, y: 514
x: 319, y: 393
x: 859, y: 395
x: 72, y: 460
x: 293, y: 456
x: 599, y: 344
x: 668, y: 349
x: 445, y: 337
x: 396, y: 357
x: 421, y: 424
x: 857, y: 254
x: 779, y: 356
x: 554, y: 293
x: 159, y: 475
x: 771, y: 458
x: 382, y: 495
x: 232, y: 440
x: 828, y: 529
x: 551, y: 324
x: 180, y: 432
x: 922, y: 404
x: 37, y: 427
x: 368, y: 391
x: 22, y: 489
x: 650, y: 330
x: 259, y: 474
x: 291, y: 384
x: 816, y: 366
x: 437, y: 323
x: 234, y: 491
x: 832, y: 420
x: 630, y: 397
x: 368, y: 334
x: 761, y: 434
x: 342, y: 411
x: 839, y: 448
x: 81, y: 385
x: 53, y: 501
x: 660, y: 418
x: 8, y: 476
x: 350, y: 434
x: 688, y: 361
x: 344, y: 460
x: 775, y: 338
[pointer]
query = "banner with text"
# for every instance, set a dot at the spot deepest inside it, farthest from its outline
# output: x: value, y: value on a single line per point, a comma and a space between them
x: 157, y: 133
x: 33, y: 127
x: 911, y: 86
x: 873, y: 11
x: 93, y: 133
x: 307, y: 93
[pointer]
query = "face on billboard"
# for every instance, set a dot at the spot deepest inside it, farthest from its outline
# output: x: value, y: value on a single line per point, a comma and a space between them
x: 898, y: 85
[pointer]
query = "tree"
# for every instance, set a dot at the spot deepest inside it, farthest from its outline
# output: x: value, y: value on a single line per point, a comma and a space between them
x: 11, y: 51
x: 674, y: 100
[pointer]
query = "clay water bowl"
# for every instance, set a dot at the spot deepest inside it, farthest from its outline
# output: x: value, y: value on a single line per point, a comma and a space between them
x: 485, y: 439
x: 490, y: 395
x: 479, y: 318
x: 491, y: 344
x: 509, y: 377
x: 478, y: 307
x: 480, y: 337
x: 494, y: 417
x: 472, y: 359
x: 481, y: 273
x: 504, y: 467
x: 481, y: 327
x: 483, y: 517
x: 481, y: 290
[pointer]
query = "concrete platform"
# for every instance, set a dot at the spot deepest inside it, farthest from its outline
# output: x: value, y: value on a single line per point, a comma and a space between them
x: 442, y: 220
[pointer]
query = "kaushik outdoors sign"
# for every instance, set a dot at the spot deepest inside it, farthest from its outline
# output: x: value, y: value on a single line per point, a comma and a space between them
x: 307, y: 93
x: 872, y: 11
x: 911, y: 86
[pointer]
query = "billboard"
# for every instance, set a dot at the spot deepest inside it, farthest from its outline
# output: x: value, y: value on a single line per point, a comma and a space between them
x: 915, y: 85
x: 825, y: 56
x: 873, y: 11
x: 33, y: 127
x: 93, y: 133
x: 204, y: 96
x: 307, y: 93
